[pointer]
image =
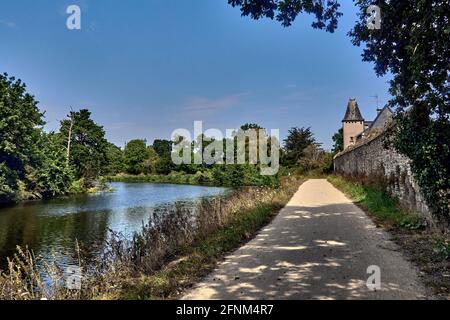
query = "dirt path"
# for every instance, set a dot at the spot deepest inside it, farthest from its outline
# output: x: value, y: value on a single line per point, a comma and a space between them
x: 318, y: 247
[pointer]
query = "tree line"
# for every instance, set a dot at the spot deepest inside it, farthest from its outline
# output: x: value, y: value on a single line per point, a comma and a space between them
x: 300, y: 153
x: 36, y: 164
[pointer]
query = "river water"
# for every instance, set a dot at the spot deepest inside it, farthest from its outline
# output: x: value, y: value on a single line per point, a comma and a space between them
x: 51, y: 228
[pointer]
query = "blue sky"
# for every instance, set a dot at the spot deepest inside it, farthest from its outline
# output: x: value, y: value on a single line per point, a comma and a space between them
x: 147, y: 67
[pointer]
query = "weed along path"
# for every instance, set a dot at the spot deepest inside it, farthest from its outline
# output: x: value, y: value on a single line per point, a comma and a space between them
x: 320, y: 246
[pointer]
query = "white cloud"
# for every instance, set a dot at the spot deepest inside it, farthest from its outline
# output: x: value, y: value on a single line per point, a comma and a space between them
x: 213, y: 104
x: 7, y: 24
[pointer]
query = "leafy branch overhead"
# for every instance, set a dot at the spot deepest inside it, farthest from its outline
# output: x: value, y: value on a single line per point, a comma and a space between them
x: 412, y: 45
x: 285, y: 11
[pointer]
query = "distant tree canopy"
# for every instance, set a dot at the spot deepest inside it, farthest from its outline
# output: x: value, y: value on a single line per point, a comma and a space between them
x: 303, y: 153
x: 88, y: 147
x: 162, y: 147
x: 295, y: 144
x: 249, y: 126
x: 134, y: 155
x: 338, y: 139
x: 114, y: 160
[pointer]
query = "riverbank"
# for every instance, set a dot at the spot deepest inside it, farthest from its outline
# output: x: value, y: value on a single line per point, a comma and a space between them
x: 175, y: 178
x: 232, y: 176
x: 427, y: 248
x: 162, y: 259
x: 318, y: 247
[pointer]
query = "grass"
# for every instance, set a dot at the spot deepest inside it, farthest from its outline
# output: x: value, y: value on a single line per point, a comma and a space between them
x: 172, y: 252
x: 427, y: 248
x: 196, y: 261
x: 384, y: 208
x: 192, y: 262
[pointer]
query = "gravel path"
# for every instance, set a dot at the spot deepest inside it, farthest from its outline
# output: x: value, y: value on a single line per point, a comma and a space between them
x: 318, y: 247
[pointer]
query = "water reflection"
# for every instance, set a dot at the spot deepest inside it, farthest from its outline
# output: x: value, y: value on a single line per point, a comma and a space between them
x: 50, y: 228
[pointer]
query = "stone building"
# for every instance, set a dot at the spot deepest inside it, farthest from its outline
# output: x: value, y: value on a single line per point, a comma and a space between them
x: 355, y: 128
x: 365, y: 155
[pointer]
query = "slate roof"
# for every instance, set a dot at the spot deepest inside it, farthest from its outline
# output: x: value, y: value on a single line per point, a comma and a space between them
x: 384, y: 116
x: 353, y: 113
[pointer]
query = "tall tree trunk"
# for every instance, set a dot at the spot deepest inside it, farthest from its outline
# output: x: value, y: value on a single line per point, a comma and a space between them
x: 69, y: 140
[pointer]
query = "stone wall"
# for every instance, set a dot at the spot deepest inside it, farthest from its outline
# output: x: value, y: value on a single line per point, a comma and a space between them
x: 369, y: 158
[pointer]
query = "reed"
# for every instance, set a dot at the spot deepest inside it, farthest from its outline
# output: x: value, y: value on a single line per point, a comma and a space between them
x: 195, y: 235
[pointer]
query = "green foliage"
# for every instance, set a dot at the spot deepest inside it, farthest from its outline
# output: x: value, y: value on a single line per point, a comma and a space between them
x: 338, y: 139
x: 134, y: 155
x: 157, y: 165
x: 163, y: 148
x: 377, y: 202
x: 412, y: 45
x: 88, y: 147
x: 114, y: 160
x: 77, y: 186
x: 52, y: 177
x: 295, y: 143
x: 285, y: 11
x: 219, y: 175
x: 442, y: 250
x: 32, y: 163
x: 20, y: 123
x: 426, y: 143
x: 8, y: 184
x: 149, y: 165
x: 241, y: 175
x: 303, y: 154
x: 164, y: 165
x: 327, y: 166
x: 249, y: 126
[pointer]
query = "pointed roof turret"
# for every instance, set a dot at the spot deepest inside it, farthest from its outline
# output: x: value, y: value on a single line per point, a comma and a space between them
x: 353, y: 113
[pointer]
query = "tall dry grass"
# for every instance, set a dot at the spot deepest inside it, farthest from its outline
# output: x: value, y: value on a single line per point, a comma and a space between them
x: 168, y: 230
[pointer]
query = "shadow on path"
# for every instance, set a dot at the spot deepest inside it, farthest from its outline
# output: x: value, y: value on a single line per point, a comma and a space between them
x: 320, y: 250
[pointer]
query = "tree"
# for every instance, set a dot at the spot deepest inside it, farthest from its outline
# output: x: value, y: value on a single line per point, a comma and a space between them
x: 285, y: 11
x: 32, y: 163
x: 251, y: 126
x: 135, y: 154
x: 114, y: 159
x: 20, y: 124
x: 295, y: 143
x: 88, y: 147
x: 163, y: 148
x: 20, y: 130
x: 338, y: 139
x: 164, y: 165
x: 315, y: 158
x: 412, y: 45
x: 52, y: 177
x: 150, y: 162
x: 20, y: 120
